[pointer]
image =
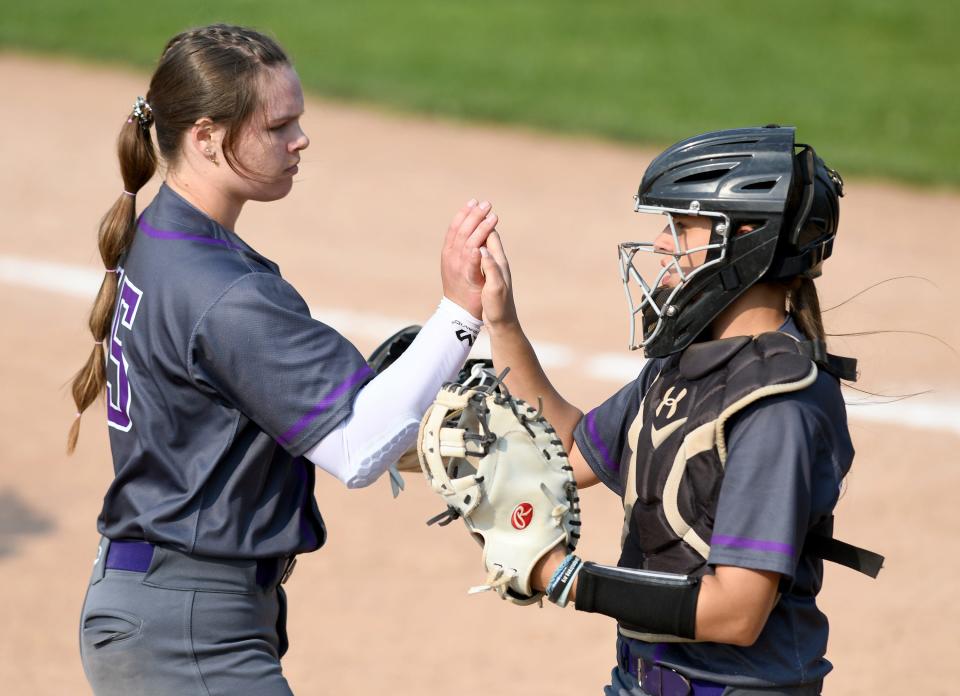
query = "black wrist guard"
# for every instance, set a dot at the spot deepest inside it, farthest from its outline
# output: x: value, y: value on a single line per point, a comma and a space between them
x: 639, y: 599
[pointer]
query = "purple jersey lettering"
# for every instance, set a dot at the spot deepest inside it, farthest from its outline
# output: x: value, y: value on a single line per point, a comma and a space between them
x: 118, y: 386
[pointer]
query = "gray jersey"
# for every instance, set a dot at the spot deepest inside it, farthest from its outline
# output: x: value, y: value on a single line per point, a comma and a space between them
x: 218, y: 380
x: 786, y: 458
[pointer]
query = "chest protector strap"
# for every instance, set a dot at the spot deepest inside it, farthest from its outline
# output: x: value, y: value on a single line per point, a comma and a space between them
x: 820, y: 543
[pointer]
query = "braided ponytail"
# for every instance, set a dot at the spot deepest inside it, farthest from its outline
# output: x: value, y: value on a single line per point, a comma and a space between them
x: 138, y: 162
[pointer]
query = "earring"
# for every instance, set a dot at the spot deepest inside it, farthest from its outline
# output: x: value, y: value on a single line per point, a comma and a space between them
x: 212, y: 156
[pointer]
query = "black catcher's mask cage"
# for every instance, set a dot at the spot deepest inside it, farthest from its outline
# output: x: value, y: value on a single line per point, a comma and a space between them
x: 755, y: 177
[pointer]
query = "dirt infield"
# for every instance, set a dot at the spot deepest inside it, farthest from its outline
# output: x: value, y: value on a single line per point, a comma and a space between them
x: 377, y: 609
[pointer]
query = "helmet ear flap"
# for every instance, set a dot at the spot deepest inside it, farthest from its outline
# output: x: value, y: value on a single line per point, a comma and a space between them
x: 812, y: 213
x: 800, y: 200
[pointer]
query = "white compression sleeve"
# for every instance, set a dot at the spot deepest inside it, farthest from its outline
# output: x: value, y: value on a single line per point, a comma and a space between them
x: 387, y: 411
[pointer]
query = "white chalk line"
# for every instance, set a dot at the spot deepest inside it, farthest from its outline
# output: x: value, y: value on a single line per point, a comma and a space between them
x: 927, y: 412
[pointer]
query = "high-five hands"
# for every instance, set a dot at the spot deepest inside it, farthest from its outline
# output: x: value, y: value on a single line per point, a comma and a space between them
x: 499, y: 309
x: 460, y: 270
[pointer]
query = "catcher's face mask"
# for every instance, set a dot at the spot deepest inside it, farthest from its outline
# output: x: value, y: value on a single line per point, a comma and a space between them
x: 654, y: 279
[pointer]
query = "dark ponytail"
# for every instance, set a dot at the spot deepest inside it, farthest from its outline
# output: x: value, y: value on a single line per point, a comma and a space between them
x: 138, y: 162
x: 803, y: 304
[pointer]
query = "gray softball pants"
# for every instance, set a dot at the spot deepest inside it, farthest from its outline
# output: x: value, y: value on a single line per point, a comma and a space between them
x: 188, y: 625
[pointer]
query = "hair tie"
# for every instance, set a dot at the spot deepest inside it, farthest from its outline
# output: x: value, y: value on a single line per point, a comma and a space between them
x: 142, y: 112
x: 109, y: 270
x: 78, y: 415
x: 128, y: 193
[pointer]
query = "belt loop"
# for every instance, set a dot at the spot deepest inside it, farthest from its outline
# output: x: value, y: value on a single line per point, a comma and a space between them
x: 647, y: 678
x: 273, y: 572
x: 623, y: 657
x: 288, y: 569
x: 100, y: 562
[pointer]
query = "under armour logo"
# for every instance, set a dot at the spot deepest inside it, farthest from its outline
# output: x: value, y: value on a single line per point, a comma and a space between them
x: 464, y: 335
x: 671, y: 401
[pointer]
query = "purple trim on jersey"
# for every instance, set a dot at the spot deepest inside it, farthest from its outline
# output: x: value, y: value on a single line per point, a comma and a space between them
x: 171, y: 234
x: 598, y: 443
x: 327, y: 401
x: 752, y: 544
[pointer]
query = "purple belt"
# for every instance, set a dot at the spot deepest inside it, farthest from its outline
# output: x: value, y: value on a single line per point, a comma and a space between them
x: 658, y: 680
x: 129, y: 555
x: 136, y: 556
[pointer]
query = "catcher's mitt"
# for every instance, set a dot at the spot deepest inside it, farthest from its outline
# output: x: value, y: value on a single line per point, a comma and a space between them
x: 499, y: 465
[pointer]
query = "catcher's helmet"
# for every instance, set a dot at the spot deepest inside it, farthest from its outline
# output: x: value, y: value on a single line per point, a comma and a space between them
x: 752, y: 178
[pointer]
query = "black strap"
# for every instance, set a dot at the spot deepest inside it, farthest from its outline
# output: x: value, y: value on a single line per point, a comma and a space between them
x: 829, y: 549
x: 821, y: 544
x: 837, y: 365
x: 444, y: 518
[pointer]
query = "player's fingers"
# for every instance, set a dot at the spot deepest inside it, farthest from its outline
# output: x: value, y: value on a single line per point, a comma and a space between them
x: 478, y: 237
x: 457, y: 220
x: 495, y: 247
x: 491, y: 271
x: 501, y: 266
x: 470, y: 222
x: 474, y: 270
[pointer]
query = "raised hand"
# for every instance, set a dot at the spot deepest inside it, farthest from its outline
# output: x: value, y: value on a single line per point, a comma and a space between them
x: 511, y: 348
x: 499, y: 310
x: 460, y: 259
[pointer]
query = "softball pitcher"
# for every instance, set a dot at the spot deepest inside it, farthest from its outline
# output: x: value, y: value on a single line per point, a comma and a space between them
x: 222, y: 391
x: 730, y: 447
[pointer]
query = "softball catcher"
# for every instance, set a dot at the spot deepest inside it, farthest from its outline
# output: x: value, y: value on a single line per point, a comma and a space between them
x: 729, y: 449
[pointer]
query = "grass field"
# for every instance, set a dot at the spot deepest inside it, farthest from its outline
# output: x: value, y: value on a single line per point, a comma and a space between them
x: 871, y: 82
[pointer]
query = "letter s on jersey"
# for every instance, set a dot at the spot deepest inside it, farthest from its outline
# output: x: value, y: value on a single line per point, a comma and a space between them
x: 118, y: 385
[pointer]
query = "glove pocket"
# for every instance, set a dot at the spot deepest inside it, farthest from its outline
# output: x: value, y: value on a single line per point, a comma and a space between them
x: 104, y: 627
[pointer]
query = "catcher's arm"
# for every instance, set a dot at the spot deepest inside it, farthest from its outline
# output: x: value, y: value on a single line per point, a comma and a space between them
x: 511, y: 348
x: 731, y: 606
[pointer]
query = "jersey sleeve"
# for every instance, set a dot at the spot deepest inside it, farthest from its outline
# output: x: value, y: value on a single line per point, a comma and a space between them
x: 775, y: 455
x: 601, y: 435
x: 258, y: 348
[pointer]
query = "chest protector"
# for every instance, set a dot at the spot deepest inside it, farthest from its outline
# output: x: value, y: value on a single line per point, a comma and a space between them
x: 673, y: 484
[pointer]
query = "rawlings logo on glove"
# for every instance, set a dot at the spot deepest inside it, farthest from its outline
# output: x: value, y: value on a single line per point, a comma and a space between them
x: 499, y: 465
